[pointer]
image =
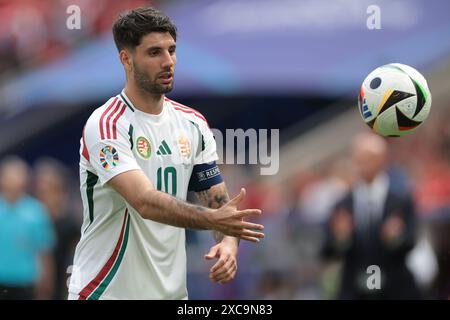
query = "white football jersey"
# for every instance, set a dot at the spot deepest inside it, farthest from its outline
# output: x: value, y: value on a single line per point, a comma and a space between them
x: 121, y: 255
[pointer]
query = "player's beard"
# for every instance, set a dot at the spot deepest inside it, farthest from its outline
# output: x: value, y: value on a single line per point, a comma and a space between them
x: 144, y: 82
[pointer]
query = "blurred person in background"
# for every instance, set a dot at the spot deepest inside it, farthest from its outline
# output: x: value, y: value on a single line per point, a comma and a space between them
x: 52, y: 189
x: 26, y: 237
x: 373, y: 225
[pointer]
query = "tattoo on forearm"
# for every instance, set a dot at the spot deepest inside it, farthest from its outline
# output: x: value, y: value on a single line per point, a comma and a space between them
x: 214, y: 198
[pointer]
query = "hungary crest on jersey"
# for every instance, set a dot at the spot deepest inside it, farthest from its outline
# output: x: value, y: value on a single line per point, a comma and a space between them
x: 185, y: 148
x: 143, y: 147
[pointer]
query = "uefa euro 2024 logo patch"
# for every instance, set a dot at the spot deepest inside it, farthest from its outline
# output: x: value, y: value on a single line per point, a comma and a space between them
x: 109, y: 157
x: 143, y: 148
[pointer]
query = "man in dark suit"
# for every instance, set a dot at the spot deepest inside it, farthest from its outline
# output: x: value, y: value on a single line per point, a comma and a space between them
x: 373, y: 229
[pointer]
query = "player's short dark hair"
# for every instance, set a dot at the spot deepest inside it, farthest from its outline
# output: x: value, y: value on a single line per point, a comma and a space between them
x: 132, y: 25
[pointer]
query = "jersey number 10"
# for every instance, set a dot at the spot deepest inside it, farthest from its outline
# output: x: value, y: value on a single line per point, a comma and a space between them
x: 172, y: 181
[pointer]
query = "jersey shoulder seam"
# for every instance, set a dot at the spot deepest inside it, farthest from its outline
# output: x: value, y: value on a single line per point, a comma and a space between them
x: 109, y: 118
x: 188, y: 112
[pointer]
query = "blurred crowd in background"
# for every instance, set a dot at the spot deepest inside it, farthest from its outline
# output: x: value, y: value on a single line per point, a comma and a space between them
x: 37, y: 244
x: 32, y: 35
x: 40, y: 228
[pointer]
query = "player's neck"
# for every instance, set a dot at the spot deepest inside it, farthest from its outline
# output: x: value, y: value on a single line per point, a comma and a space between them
x: 143, y: 101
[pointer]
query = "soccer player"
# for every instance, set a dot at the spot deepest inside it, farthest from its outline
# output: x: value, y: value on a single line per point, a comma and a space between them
x: 140, y: 154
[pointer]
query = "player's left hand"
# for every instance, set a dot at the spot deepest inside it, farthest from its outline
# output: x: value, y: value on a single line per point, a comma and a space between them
x: 224, y: 270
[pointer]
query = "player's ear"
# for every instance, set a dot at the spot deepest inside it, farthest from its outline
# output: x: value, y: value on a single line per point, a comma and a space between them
x: 126, y: 59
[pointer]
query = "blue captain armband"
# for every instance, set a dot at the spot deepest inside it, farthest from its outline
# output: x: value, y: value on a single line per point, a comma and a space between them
x: 204, y: 176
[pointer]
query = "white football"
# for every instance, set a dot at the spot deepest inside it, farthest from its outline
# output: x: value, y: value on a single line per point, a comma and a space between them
x: 394, y: 100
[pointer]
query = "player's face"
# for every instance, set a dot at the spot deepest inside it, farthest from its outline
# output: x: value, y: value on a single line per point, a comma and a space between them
x: 154, y: 63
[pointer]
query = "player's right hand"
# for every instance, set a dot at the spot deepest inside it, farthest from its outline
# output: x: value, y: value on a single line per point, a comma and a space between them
x: 230, y: 221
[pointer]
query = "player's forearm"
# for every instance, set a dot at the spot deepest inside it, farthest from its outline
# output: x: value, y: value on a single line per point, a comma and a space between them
x: 161, y: 207
x: 214, y: 198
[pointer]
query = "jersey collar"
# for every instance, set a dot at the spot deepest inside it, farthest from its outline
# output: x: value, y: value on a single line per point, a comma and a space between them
x: 126, y: 100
